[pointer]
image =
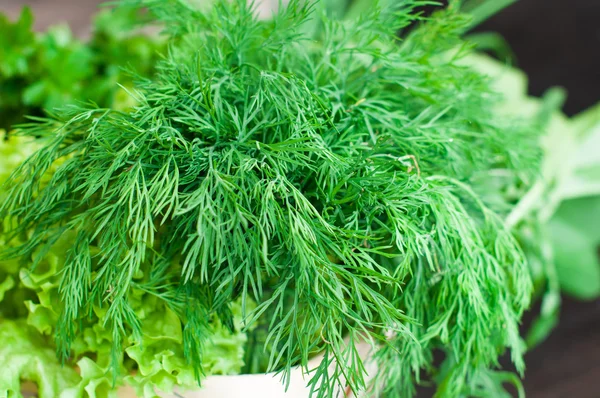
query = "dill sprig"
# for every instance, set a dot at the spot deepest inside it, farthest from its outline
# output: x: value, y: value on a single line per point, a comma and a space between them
x: 330, y: 177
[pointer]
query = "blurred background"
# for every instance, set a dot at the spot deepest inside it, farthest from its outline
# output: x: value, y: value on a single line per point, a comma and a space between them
x: 557, y: 43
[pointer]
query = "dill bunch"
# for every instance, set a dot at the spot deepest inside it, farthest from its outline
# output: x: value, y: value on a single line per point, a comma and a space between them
x: 329, y: 173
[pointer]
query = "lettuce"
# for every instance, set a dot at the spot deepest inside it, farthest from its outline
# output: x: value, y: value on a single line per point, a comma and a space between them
x: 28, y: 319
x: 26, y: 355
x: 13, y: 152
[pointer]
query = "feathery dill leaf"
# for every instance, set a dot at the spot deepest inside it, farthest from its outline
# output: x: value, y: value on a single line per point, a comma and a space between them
x: 328, y: 177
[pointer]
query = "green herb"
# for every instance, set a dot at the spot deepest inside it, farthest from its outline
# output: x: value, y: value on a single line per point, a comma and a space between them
x: 30, y: 309
x: 42, y: 72
x: 336, y: 179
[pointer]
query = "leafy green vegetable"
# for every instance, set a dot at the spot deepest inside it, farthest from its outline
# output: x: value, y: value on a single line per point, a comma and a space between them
x: 26, y: 355
x: 334, y: 178
x: 12, y: 153
x: 42, y: 72
x: 573, y: 227
x: 5, y: 286
x: 29, y: 317
x: 17, y: 44
x: 354, y: 185
x: 157, y: 358
x: 555, y: 219
x: 576, y: 235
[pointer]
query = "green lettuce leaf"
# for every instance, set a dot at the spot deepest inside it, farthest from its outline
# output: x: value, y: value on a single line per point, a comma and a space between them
x: 13, y: 151
x: 159, y: 355
x: 27, y: 356
x: 156, y: 362
x: 5, y: 286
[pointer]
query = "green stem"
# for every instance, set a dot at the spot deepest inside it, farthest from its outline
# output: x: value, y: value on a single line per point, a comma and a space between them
x: 481, y: 11
x: 491, y: 41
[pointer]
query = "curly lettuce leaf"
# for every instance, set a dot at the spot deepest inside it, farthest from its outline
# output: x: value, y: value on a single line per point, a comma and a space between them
x: 6, y: 285
x: 13, y: 151
x: 27, y: 356
x: 154, y: 363
x: 160, y: 360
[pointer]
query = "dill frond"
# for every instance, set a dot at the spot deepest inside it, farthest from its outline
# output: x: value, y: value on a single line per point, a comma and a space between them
x: 329, y: 177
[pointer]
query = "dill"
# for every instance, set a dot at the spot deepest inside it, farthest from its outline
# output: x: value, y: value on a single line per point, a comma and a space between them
x: 332, y: 176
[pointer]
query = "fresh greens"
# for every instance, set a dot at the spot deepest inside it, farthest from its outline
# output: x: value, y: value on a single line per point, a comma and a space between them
x: 29, y: 312
x: 281, y: 189
x: 574, y: 225
x: 51, y: 70
x: 555, y: 219
x: 332, y: 178
x: 27, y: 355
x: 575, y: 232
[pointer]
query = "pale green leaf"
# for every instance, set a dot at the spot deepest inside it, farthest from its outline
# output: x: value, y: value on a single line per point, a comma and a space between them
x: 26, y: 356
x: 576, y: 238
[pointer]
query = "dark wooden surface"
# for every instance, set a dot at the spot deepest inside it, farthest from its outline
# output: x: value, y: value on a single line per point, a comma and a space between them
x: 557, y: 42
x: 567, y: 365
